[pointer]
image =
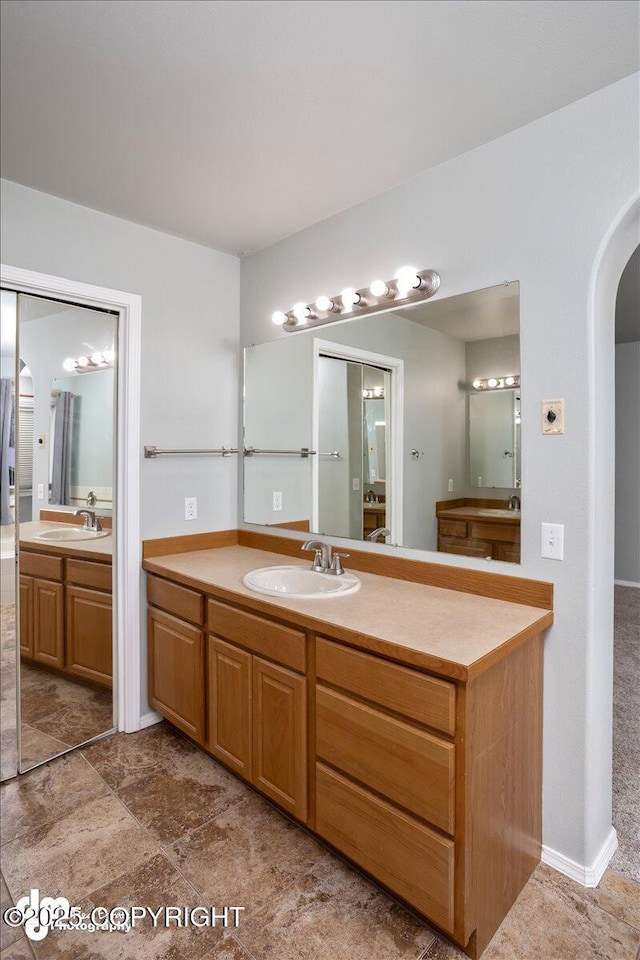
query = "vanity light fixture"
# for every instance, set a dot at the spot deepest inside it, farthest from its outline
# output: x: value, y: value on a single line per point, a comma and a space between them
x: 409, y: 286
x: 496, y: 383
x: 373, y: 393
x: 97, y: 361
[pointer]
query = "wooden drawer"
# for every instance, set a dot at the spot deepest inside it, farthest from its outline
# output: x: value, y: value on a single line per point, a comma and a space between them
x: 415, y: 695
x: 86, y: 573
x: 465, y: 548
x: 409, y: 766
x: 402, y: 853
x: 507, y: 551
x: 40, y: 565
x: 264, y: 637
x: 186, y: 604
x: 452, y: 528
x: 507, y: 532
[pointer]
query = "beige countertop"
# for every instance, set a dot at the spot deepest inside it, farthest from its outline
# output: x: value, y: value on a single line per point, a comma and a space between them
x: 486, y: 514
x: 456, y: 634
x: 99, y: 549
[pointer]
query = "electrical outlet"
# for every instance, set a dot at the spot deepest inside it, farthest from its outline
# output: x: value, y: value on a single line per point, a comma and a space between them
x: 355, y: 483
x: 41, y: 491
x: 190, y: 508
x: 553, y: 417
x: 450, y: 486
x: 552, y: 541
x: 277, y: 500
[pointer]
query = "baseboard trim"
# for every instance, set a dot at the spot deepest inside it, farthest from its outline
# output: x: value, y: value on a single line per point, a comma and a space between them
x: 148, y: 719
x: 627, y: 583
x: 587, y: 876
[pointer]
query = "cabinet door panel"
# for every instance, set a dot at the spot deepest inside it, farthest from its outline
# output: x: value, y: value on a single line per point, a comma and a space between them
x: 280, y: 735
x: 176, y: 672
x: 26, y: 616
x: 89, y: 647
x: 229, y: 705
x: 48, y: 623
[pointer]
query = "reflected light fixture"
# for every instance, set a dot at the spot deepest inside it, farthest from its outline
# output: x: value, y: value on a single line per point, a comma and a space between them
x: 497, y: 383
x: 97, y: 361
x: 409, y: 286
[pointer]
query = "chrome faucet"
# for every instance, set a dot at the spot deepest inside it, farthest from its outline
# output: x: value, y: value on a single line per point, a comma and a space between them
x: 324, y: 560
x: 378, y: 532
x: 514, y: 502
x: 91, y: 499
x: 91, y: 522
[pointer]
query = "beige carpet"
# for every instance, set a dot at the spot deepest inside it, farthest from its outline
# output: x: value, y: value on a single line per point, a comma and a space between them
x: 626, y: 732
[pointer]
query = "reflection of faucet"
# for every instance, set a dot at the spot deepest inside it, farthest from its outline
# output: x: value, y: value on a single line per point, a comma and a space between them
x: 91, y: 499
x: 514, y: 502
x: 378, y: 532
x: 91, y: 522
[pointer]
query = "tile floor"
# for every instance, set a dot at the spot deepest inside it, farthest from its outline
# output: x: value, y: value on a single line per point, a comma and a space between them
x: 148, y: 819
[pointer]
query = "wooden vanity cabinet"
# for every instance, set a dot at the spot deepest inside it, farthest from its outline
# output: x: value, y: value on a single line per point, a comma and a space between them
x: 430, y: 784
x: 66, y: 615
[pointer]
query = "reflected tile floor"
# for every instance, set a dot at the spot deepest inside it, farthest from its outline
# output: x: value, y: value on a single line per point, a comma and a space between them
x: 148, y: 819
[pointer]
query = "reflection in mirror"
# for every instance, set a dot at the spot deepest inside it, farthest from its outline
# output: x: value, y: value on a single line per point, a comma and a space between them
x: 442, y: 346
x: 494, y: 438
x: 65, y: 435
x: 8, y: 666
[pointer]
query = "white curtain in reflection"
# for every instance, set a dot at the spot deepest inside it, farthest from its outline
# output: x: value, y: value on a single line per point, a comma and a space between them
x: 61, y: 463
x: 7, y: 448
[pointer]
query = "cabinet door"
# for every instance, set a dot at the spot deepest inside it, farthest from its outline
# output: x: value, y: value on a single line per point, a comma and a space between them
x: 48, y: 623
x: 280, y: 735
x: 229, y: 705
x: 26, y: 616
x: 89, y: 647
x: 176, y: 672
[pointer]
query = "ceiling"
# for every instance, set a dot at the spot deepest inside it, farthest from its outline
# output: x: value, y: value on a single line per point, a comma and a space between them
x: 478, y: 315
x: 237, y: 123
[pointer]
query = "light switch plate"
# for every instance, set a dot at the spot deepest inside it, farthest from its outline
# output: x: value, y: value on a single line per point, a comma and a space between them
x: 553, y: 417
x: 355, y: 483
x: 552, y: 541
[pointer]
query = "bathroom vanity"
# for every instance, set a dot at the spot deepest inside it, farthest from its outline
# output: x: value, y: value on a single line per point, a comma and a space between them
x: 473, y: 527
x: 66, y: 604
x: 401, y: 724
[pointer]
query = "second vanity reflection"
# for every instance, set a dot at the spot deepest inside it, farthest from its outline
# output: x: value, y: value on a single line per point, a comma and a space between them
x: 389, y: 408
x: 65, y: 478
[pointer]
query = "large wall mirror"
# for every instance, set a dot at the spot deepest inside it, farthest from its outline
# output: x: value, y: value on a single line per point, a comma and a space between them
x: 58, y: 500
x: 402, y: 427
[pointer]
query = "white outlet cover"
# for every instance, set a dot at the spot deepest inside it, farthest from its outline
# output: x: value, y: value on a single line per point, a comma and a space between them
x: 191, y: 508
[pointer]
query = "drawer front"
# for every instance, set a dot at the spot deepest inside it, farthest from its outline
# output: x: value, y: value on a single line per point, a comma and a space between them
x: 465, y: 548
x: 505, y: 532
x: 452, y: 528
x: 86, y: 573
x: 184, y: 603
x: 507, y: 551
x: 405, y: 764
x: 264, y: 637
x: 40, y: 565
x: 414, y: 695
x: 403, y: 854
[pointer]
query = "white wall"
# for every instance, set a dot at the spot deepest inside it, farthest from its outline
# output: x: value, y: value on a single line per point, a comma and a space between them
x: 533, y: 206
x: 627, y: 561
x: 189, y: 374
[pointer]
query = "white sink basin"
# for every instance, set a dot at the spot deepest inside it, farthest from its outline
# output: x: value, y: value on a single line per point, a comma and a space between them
x: 300, y: 583
x: 495, y: 512
x: 73, y: 533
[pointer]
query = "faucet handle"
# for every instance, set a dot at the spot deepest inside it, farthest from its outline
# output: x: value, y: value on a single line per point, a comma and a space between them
x: 336, y: 564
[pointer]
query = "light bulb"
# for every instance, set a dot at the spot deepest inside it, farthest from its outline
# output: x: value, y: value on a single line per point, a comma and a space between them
x: 324, y: 304
x: 83, y: 361
x: 108, y: 356
x: 510, y: 381
x: 477, y: 384
x: 97, y: 359
x: 349, y: 298
x: 301, y: 311
x: 69, y: 364
x: 377, y: 392
x: 365, y: 394
x: 492, y: 383
x: 278, y: 317
x: 379, y: 288
x: 407, y: 279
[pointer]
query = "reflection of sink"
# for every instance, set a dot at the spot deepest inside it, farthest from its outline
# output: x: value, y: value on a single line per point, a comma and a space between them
x: 495, y: 512
x: 300, y: 583
x: 73, y: 533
